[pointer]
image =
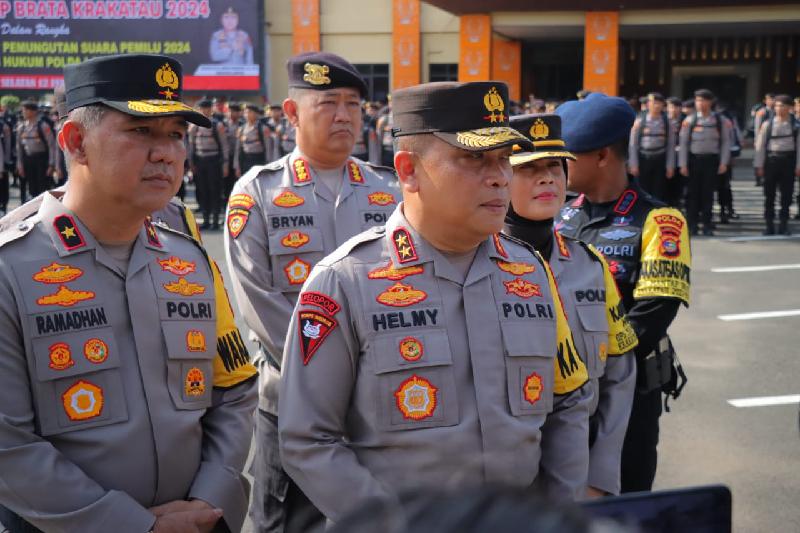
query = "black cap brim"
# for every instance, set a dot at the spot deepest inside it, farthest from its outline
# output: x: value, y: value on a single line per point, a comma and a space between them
x: 484, y: 139
x: 159, y: 108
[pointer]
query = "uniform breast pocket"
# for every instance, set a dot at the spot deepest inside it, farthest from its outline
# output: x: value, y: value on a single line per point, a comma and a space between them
x: 594, y: 330
x: 293, y: 254
x: 190, y: 352
x: 415, y: 382
x: 77, y: 383
x: 530, y: 349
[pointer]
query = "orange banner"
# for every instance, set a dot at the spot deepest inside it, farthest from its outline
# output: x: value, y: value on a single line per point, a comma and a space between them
x: 507, y: 64
x: 601, y: 52
x: 474, y: 63
x: 305, y: 26
x: 405, y: 44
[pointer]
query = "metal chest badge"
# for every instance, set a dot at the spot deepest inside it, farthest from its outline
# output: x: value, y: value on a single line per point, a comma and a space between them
x: 95, y: 350
x: 167, y: 80
x: 495, y: 105
x: 82, y: 401
x: 60, y: 356
x: 195, y: 382
x: 316, y: 74
x: 416, y: 398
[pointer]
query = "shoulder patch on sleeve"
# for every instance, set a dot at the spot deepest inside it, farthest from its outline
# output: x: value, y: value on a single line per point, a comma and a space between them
x: 372, y: 234
x: 666, y: 256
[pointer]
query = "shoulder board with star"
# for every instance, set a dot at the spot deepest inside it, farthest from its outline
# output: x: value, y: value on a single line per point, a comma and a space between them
x: 373, y: 234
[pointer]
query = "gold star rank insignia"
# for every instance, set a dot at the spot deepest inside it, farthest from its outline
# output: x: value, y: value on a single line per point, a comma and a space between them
x: 404, y: 246
x: 68, y: 232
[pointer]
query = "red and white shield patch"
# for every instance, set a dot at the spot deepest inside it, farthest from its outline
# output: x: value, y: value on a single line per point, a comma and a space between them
x: 313, y: 328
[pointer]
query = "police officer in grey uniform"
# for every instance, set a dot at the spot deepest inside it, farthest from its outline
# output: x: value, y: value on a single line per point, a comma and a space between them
x: 35, y: 151
x: 233, y: 121
x: 777, y: 162
x: 208, y: 155
x: 230, y: 45
x: 431, y: 351
x: 652, y: 148
x: 282, y: 219
x: 705, y: 153
x: 254, y: 141
x: 588, y: 291
x: 106, y: 426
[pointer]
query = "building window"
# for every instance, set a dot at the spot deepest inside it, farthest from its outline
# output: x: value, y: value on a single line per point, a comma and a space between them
x: 377, y: 77
x: 443, y: 72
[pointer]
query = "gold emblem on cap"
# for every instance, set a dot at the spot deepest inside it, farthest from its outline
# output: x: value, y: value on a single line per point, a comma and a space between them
x: 539, y: 130
x: 316, y: 74
x: 495, y: 105
x: 166, y: 78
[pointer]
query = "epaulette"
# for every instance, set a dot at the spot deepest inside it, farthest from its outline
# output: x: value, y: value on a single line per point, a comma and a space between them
x: 376, y: 168
x: 372, y: 234
x: 593, y: 252
x: 21, y: 213
x: 527, y: 246
x: 16, y: 231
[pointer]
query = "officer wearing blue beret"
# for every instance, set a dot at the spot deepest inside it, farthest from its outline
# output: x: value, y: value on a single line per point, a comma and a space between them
x: 646, y: 245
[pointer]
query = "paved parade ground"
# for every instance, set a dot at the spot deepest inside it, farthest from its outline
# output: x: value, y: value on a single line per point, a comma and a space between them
x: 737, y: 420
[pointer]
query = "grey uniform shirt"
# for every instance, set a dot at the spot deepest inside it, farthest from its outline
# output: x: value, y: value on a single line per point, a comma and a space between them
x: 657, y: 137
x: 203, y: 142
x: 606, y: 340
x: 29, y: 142
x: 249, y: 142
x: 111, y: 401
x: 782, y: 140
x: 704, y: 138
x: 397, y: 375
x: 231, y: 48
x: 281, y: 221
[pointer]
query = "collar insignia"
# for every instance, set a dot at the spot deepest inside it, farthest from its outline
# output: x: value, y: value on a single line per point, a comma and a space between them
x: 355, y: 172
x: 301, y: 172
x: 404, y: 246
x: 68, y: 232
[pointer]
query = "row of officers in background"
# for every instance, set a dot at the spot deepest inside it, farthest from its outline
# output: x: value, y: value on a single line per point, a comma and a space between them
x: 683, y: 152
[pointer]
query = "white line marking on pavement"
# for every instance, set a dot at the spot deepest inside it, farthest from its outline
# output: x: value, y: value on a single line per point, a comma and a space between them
x: 761, y: 238
x: 764, y: 314
x: 762, y: 268
x: 765, y: 400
